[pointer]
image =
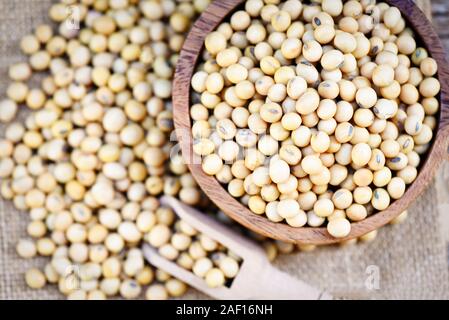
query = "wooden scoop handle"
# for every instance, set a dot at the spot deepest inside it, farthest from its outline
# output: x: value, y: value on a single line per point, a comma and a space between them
x: 271, y: 283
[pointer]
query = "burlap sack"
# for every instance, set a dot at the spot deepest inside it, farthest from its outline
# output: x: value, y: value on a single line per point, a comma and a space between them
x: 407, y: 261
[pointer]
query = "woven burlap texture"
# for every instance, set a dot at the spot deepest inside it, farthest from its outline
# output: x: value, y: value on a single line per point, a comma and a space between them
x: 407, y: 261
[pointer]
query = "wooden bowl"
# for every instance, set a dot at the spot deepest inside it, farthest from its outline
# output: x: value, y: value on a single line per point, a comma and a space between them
x: 191, y: 51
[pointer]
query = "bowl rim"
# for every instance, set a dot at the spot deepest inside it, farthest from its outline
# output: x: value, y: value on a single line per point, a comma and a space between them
x: 193, y: 46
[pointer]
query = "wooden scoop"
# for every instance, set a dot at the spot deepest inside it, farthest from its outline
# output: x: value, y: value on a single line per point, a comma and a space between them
x: 257, y: 278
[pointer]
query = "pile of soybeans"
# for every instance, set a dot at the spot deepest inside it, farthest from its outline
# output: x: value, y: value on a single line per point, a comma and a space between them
x: 89, y: 155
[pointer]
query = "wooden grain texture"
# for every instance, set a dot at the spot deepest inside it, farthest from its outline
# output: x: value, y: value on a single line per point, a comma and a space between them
x: 438, y: 7
x: 425, y: 6
x: 440, y: 13
x: 240, y: 213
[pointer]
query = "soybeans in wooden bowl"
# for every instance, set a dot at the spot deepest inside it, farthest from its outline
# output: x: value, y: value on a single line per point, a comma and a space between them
x: 312, y: 122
